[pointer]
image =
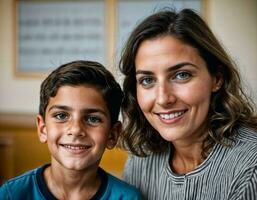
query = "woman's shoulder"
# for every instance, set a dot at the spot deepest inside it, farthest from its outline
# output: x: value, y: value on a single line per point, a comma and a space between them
x: 247, y: 135
x: 150, y: 159
x: 145, y: 165
x: 244, y: 148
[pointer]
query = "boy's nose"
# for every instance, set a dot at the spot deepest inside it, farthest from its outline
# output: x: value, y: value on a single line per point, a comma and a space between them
x: 76, y: 128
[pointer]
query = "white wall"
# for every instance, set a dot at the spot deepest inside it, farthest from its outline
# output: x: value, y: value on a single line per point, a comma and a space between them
x: 235, y: 24
x: 16, y: 94
x: 233, y: 21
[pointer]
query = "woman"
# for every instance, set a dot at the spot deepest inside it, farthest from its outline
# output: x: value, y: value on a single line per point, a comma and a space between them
x: 190, y: 126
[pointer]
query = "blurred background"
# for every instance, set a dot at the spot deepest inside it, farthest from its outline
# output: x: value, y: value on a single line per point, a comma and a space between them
x: 37, y: 36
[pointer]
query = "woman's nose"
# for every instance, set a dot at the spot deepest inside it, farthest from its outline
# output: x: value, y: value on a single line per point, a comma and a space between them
x: 165, y: 95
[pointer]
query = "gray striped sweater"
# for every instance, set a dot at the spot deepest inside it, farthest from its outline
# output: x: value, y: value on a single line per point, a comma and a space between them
x: 227, y: 173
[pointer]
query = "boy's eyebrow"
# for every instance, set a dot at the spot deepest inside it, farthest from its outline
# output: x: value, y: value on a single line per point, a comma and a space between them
x: 95, y: 110
x: 60, y: 107
x: 171, y: 68
x: 86, y: 110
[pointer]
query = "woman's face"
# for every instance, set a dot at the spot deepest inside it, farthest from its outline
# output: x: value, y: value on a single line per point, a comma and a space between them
x: 174, y: 88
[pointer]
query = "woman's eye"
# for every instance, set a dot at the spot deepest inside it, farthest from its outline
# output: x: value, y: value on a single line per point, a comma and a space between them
x: 61, y: 116
x: 146, y: 81
x: 182, y: 76
x: 93, y: 120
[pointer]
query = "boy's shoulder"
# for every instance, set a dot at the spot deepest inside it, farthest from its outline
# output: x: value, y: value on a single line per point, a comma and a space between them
x: 23, y: 178
x: 119, y: 189
x: 19, y: 186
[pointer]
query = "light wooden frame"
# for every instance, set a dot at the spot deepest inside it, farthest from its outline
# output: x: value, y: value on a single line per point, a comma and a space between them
x: 108, y: 21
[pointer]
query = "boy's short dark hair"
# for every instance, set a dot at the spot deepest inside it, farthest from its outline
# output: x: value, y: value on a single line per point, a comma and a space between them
x: 86, y: 73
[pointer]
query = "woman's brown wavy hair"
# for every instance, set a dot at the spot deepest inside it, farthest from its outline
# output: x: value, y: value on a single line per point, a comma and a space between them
x: 230, y: 108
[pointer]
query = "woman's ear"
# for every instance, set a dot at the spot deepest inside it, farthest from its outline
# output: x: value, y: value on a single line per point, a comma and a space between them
x: 218, y: 81
x: 41, y: 129
x: 114, y: 135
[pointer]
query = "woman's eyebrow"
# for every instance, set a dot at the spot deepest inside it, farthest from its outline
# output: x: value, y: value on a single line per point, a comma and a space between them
x: 171, y: 68
x: 180, y: 65
x: 143, y: 72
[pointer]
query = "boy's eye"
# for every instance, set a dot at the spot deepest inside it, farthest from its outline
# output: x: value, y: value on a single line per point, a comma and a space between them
x: 182, y: 76
x: 61, y: 116
x: 93, y: 120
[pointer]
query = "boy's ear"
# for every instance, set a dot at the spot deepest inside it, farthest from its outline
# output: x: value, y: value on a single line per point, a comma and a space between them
x: 41, y: 129
x: 114, y: 135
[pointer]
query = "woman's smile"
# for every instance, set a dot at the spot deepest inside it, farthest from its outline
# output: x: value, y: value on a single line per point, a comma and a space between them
x: 171, y: 117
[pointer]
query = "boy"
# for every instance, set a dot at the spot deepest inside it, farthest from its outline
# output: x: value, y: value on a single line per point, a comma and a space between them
x: 78, y: 118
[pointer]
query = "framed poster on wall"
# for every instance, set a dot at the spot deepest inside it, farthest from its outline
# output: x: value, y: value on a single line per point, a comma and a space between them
x: 51, y: 33
x: 131, y: 12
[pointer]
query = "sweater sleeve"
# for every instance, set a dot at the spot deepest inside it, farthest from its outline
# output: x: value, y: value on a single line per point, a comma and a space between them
x: 244, y: 187
x: 128, y: 172
x: 134, y: 174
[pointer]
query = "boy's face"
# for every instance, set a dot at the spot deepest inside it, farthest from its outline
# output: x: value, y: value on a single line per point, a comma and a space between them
x: 77, y: 127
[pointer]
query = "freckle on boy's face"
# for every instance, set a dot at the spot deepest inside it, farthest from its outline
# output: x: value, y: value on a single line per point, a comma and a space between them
x: 76, y: 128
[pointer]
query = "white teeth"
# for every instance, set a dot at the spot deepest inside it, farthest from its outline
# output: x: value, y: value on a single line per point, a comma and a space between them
x: 75, y: 147
x: 171, y: 116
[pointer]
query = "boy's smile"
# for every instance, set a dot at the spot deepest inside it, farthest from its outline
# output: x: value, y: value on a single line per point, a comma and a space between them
x: 77, y: 127
x: 76, y: 148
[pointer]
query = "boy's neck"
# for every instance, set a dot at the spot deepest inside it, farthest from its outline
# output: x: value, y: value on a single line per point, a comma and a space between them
x: 71, y: 184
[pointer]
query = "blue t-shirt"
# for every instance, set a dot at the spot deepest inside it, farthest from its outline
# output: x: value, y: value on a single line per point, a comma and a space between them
x: 32, y: 185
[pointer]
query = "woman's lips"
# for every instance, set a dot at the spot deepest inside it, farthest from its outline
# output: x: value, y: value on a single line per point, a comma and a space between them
x: 171, y: 117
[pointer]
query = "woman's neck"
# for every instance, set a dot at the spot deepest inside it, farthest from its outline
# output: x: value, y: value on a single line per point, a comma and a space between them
x: 186, y: 159
x: 187, y: 154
